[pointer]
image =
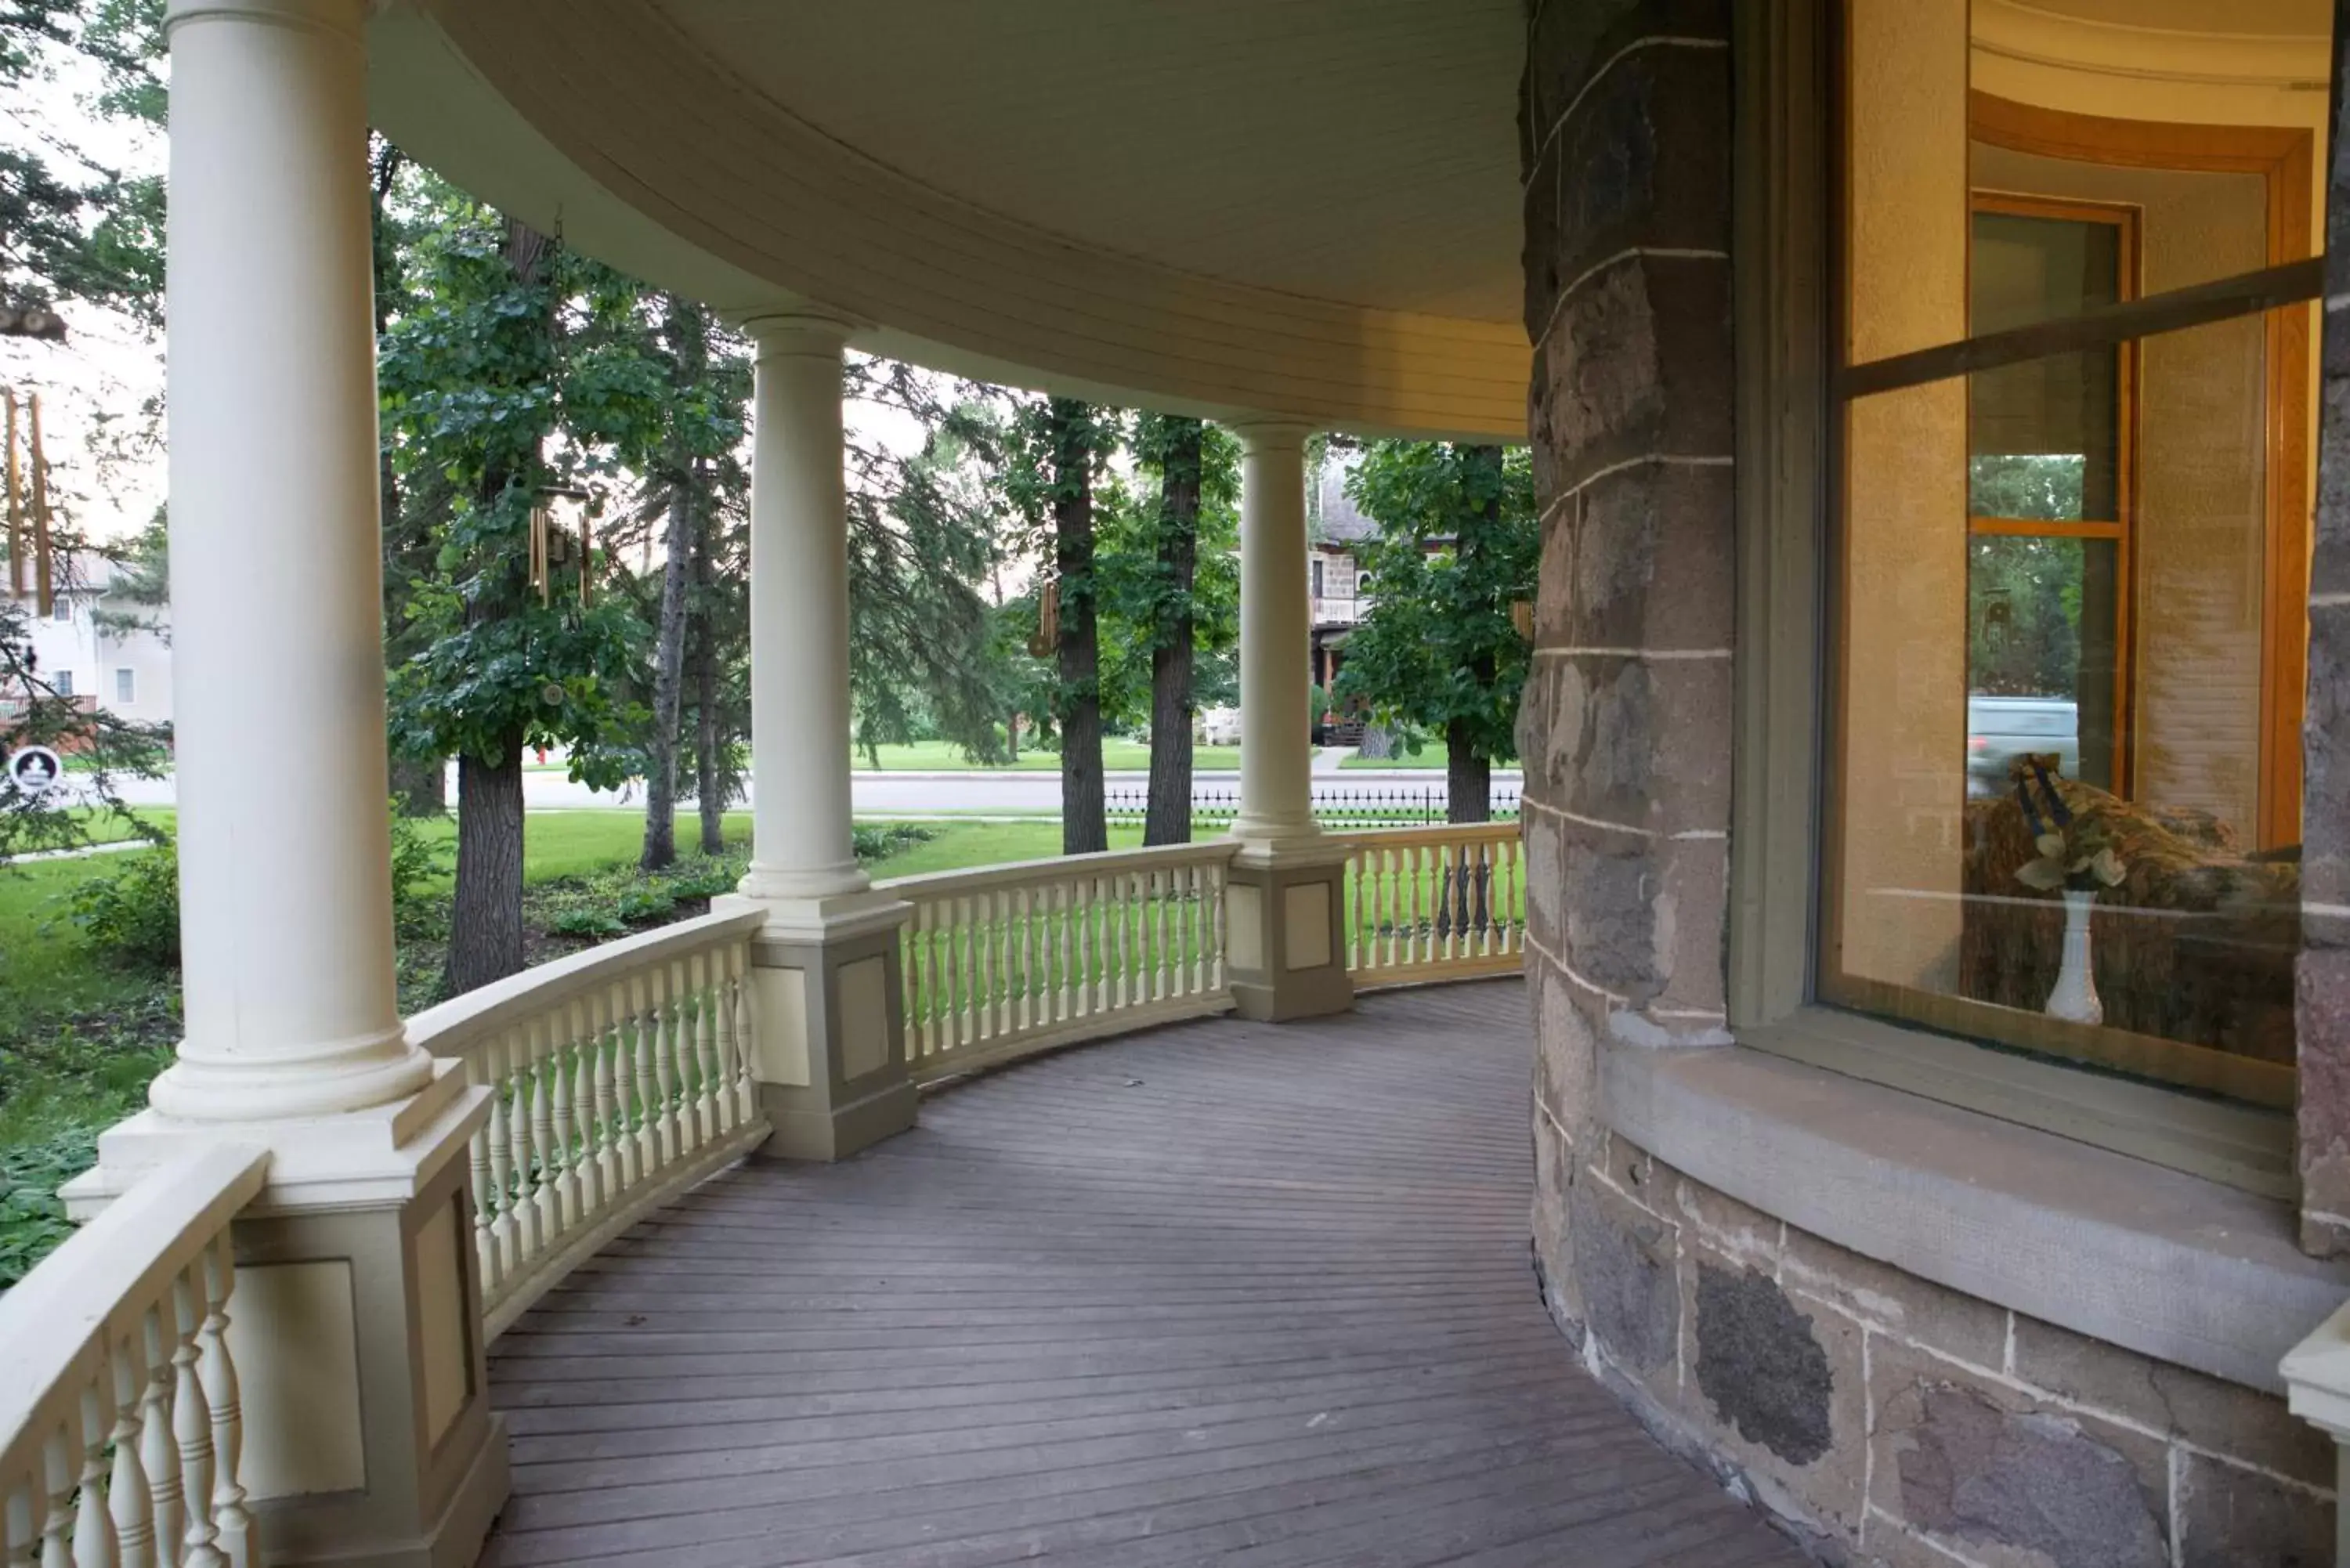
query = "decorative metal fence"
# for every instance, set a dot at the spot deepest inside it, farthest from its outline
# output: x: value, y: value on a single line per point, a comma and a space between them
x: 1335, y: 805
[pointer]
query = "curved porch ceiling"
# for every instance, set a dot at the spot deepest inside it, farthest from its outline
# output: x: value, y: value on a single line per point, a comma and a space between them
x: 1298, y: 207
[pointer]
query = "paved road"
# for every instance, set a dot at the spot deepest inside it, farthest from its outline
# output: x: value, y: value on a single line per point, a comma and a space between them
x: 977, y: 793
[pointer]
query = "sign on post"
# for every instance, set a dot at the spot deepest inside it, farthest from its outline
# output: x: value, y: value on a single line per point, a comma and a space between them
x: 36, y: 770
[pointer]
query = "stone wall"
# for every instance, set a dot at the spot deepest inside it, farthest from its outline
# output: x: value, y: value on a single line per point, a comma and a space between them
x: 1886, y: 1418
x: 2323, y: 1013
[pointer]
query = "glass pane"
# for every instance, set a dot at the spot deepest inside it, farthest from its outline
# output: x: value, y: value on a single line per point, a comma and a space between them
x: 2102, y: 681
x: 2044, y: 437
x: 2042, y: 628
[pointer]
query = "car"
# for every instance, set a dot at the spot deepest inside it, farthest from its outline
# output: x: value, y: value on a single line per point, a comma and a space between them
x: 1999, y: 729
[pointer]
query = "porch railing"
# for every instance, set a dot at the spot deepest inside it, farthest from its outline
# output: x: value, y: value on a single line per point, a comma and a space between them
x: 120, y: 1427
x: 1444, y: 902
x: 622, y: 1076
x: 1008, y: 960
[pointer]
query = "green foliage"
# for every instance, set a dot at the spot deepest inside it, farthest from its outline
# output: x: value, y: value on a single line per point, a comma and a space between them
x: 875, y: 841
x: 419, y: 863
x: 1140, y: 600
x: 1458, y: 544
x: 506, y: 345
x: 651, y: 902
x: 132, y: 916
x: 2046, y: 485
x: 32, y: 1220
x: 102, y: 749
x: 584, y: 921
x: 2024, y: 615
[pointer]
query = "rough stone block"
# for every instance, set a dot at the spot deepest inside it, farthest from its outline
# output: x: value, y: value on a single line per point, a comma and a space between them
x: 1691, y: 914
x: 1625, y: 1262
x: 1611, y: 879
x: 2325, y: 783
x: 2003, y: 1477
x: 1896, y: 1303
x: 1646, y: 158
x: 1545, y: 884
x: 2229, y: 1516
x: 1747, y: 1237
x: 1567, y: 1061
x: 1640, y: 742
x: 1638, y: 365
x: 2322, y: 1013
x: 1645, y: 559
x: 1540, y: 253
x: 1776, y: 1386
x: 1568, y: 43
x: 2226, y: 1419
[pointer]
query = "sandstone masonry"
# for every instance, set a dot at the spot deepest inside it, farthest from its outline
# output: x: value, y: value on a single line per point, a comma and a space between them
x: 1883, y: 1418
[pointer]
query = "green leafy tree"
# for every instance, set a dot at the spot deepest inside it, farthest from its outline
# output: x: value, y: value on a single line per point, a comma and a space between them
x: 506, y: 344
x: 1458, y: 544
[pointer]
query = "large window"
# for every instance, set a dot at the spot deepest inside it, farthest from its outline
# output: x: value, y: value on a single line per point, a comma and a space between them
x: 2076, y: 432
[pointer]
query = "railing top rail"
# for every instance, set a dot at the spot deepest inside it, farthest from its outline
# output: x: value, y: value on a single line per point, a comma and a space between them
x: 1017, y: 873
x: 460, y: 1024
x: 1429, y: 833
x: 58, y: 1321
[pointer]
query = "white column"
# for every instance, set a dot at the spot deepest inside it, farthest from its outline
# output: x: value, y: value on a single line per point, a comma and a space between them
x: 1276, y: 747
x: 276, y: 598
x: 800, y: 845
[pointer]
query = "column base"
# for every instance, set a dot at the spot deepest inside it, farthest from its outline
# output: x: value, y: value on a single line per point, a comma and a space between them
x: 1284, y: 932
x: 355, y: 1322
x: 828, y: 1024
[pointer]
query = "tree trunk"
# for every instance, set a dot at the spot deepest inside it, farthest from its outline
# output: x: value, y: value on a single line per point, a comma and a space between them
x: 1468, y: 776
x: 485, y: 928
x: 668, y: 685
x: 709, y: 794
x: 1083, y: 829
x: 1168, y: 819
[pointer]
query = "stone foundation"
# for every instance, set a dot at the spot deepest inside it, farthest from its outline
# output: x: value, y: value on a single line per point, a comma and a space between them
x: 1885, y: 1419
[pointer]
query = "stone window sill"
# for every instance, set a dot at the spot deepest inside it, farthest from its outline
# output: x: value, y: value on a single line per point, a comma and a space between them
x: 2177, y: 1267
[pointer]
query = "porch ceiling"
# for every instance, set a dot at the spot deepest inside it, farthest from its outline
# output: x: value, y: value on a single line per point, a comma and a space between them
x: 1307, y: 207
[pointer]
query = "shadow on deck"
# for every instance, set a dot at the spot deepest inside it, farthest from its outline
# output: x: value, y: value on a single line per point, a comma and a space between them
x: 1222, y: 1292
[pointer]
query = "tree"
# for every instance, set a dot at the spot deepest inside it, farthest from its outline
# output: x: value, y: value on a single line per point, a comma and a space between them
x: 1063, y: 444
x: 690, y: 472
x: 1163, y: 597
x: 506, y: 344
x: 71, y: 226
x: 1457, y: 544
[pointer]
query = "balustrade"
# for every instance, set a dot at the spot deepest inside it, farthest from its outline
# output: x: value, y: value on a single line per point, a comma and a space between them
x: 1445, y: 902
x: 1007, y: 959
x: 622, y: 1075
x: 121, y: 1431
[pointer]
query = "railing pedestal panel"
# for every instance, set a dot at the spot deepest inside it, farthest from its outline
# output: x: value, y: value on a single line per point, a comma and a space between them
x: 1286, y: 913
x: 825, y: 984
x: 354, y: 1336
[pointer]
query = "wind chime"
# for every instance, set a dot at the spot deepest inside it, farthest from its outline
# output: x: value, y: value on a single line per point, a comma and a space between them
x: 554, y: 547
x: 31, y: 571
x: 1046, y: 637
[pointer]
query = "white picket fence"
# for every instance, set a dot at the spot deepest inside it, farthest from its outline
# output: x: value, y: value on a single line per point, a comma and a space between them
x: 623, y: 1077
x: 119, y: 1408
x: 1008, y: 960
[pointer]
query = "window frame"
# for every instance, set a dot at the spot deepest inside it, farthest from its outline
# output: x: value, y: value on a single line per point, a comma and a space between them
x: 1788, y: 301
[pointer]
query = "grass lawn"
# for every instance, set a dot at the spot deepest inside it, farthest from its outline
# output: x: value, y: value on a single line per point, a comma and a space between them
x: 1118, y: 756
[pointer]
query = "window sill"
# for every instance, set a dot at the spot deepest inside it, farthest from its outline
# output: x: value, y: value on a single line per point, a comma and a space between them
x: 2176, y: 1267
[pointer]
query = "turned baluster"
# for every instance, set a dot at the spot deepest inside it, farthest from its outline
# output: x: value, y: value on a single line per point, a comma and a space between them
x: 486, y: 1209
x: 57, y: 1478
x: 717, y: 1102
x: 747, y: 1042
x: 587, y: 1151
x: 192, y: 1422
x: 127, y: 1496
x: 505, y: 1225
x: 158, y: 1444
x: 546, y: 1127
x: 1072, y: 1001
x: 238, y: 1539
x: 642, y: 1029
x: 530, y: 1119
x: 611, y: 1106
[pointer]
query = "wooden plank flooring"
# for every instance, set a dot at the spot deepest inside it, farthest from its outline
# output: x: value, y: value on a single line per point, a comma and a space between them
x: 1223, y: 1292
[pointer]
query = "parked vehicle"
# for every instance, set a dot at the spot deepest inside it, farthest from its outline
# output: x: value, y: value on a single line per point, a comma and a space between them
x: 1999, y: 729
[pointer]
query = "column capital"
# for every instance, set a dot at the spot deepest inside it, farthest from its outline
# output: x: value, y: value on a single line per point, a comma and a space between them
x: 1270, y: 432
x: 342, y: 18
x: 802, y: 329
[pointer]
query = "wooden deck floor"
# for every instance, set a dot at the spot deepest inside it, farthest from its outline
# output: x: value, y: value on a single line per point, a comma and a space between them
x: 1223, y: 1292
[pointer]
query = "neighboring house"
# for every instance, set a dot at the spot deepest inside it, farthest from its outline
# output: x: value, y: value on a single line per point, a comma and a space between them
x: 116, y: 655
x: 1335, y: 578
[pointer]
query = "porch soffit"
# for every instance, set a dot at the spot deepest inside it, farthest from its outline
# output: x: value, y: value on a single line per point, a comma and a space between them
x: 1301, y: 206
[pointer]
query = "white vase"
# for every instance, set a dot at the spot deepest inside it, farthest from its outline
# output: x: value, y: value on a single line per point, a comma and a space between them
x: 2075, y: 996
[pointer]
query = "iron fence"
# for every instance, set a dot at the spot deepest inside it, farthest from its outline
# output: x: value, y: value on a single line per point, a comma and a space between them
x: 1361, y: 806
